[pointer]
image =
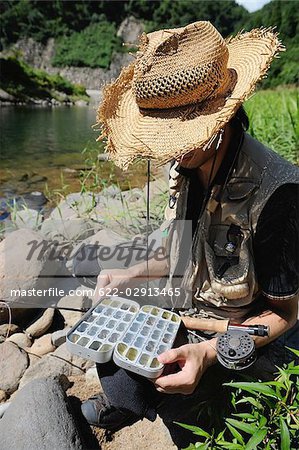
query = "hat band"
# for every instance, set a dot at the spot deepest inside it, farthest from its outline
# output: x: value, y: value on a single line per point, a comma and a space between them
x: 181, y: 88
x: 149, y: 94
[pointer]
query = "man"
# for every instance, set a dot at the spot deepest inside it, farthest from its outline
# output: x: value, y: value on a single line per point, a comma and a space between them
x: 181, y: 100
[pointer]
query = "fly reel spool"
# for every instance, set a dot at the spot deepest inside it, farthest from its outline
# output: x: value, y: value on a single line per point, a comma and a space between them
x: 236, y: 350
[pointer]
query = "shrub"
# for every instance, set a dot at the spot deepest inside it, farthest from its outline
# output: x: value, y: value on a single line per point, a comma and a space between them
x: 91, y: 47
x: 270, y: 422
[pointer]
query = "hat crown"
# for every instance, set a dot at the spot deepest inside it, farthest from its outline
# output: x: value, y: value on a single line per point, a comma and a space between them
x: 180, y: 66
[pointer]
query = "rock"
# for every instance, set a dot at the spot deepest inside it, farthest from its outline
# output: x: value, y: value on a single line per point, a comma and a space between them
x: 104, y: 237
x: 77, y: 363
x: 42, y: 324
x: 26, y: 264
x: 2, y: 396
x: 37, y: 179
x: 40, y: 418
x: 22, y: 340
x: 73, y: 301
x: 13, y: 363
x: 4, y: 408
x: 82, y: 204
x: 110, y: 191
x: 130, y: 30
x: 27, y: 218
x: 81, y: 103
x: 59, y: 337
x: 73, y: 229
x: 42, y: 345
x: 5, y: 96
x: 63, y: 210
x: 33, y: 359
x: 157, y: 188
x: 11, y: 329
x: 33, y: 200
x: 91, y: 376
x: 134, y: 195
x: 143, y: 434
x: 103, y: 157
x: 54, y: 365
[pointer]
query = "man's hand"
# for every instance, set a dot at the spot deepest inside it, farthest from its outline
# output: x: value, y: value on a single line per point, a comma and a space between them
x: 113, y: 279
x: 193, y: 360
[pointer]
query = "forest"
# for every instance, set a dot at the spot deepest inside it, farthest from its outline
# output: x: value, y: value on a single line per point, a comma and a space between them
x: 85, y: 31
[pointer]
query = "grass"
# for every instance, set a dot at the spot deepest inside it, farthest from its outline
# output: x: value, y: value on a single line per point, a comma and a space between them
x: 274, y: 120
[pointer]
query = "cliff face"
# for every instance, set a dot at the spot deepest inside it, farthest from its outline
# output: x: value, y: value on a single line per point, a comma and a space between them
x: 40, y: 56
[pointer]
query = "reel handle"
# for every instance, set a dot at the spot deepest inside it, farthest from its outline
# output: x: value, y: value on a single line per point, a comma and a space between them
x: 192, y: 323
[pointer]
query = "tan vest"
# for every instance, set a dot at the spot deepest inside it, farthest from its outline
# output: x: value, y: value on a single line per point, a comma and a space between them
x: 221, y: 283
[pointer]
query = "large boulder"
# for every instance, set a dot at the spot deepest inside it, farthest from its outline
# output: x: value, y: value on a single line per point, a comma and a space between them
x: 130, y: 30
x: 13, y: 363
x: 28, y: 267
x: 40, y: 418
x: 56, y: 364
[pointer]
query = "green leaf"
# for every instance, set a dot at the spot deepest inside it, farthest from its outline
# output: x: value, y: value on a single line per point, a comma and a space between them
x: 262, y: 388
x: 235, y: 433
x: 293, y: 350
x: 230, y: 445
x: 220, y: 436
x: 243, y: 415
x: 256, y: 439
x: 202, y: 446
x: 284, y: 436
x: 251, y: 400
x: 263, y: 421
x: 195, y: 430
x: 248, y: 428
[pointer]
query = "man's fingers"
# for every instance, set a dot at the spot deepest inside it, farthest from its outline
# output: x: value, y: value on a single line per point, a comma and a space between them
x: 173, y: 355
x: 172, y: 381
x: 103, y: 280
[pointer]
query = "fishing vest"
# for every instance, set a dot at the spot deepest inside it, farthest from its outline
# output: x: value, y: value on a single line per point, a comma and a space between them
x: 220, y: 274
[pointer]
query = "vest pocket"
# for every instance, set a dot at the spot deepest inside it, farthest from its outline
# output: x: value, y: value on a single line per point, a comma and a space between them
x: 229, y: 261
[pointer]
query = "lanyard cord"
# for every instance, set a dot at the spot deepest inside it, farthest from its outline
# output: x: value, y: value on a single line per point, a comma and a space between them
x: 147, y: 222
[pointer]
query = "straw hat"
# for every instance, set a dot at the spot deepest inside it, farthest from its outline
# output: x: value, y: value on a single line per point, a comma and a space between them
x: 185, y: 84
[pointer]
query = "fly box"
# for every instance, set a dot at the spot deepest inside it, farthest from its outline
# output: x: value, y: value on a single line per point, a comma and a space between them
x: 117, y: 327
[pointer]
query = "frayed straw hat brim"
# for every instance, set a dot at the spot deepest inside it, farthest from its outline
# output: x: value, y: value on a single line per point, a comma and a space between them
x: 164, y: 134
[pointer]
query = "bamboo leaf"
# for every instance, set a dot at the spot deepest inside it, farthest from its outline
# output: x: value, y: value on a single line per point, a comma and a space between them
x: 235, y: 433
x: 244, y: 416
x: 284, y: 436
x: 195, y: 430
x: 256, y: 439
x: 230, y: 445
x: 262, y: 388
x: 293, y: 350
x: 248, y: 428
x: 251, y: 400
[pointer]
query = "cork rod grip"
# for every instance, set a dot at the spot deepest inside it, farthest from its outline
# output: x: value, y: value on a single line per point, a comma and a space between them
x: 220, y: 326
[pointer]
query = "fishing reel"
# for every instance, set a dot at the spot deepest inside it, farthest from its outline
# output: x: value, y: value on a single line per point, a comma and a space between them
x: 236, y: 348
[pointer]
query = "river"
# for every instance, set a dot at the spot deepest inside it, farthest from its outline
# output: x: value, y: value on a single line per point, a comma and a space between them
x: 41, y: 149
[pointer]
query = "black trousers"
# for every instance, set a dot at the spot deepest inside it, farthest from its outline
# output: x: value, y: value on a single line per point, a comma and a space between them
x: 138, y: 395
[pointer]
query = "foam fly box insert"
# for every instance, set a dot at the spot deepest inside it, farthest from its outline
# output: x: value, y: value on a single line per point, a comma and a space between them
x: 117, y: 327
